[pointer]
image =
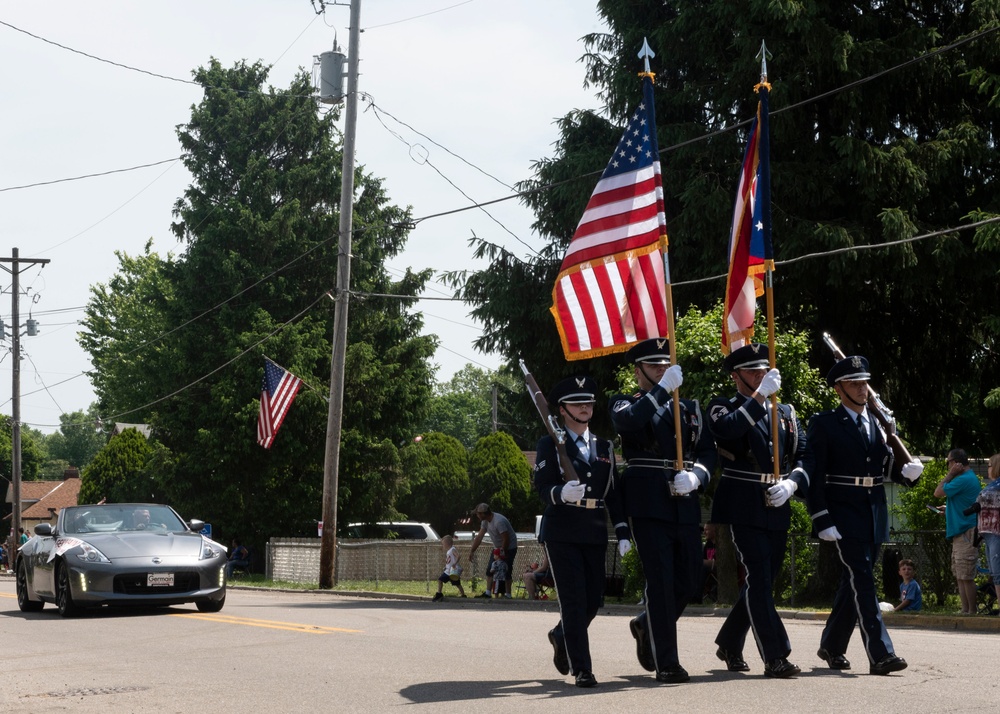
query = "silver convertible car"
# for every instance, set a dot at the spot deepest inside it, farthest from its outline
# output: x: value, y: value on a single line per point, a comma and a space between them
x: 120, y: 554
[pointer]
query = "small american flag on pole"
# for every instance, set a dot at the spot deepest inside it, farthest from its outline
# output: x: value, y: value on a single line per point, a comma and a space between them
x: 276, y: 396
x: 750, y: 250
x: 611, y: 288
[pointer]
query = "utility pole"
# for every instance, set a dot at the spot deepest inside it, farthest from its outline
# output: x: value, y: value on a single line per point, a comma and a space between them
x: 331, y: 464
x: 15, y: 392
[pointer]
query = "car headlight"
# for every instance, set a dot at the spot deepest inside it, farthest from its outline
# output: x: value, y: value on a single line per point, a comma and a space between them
x: 91, y: 554
x: 210, y: 549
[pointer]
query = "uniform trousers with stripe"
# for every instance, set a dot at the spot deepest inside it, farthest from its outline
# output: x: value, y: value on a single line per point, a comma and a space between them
x: 671, y: 561
x: 761, y: 552
x: 578, y: 571
x: 856, y: 601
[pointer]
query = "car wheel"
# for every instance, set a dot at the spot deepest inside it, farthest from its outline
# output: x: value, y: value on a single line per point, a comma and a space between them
x: 23, y: 601
x: 64, y: 595
x: 210, y: 605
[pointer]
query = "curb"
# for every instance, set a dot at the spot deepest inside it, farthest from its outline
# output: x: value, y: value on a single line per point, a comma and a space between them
x: 959, y: 623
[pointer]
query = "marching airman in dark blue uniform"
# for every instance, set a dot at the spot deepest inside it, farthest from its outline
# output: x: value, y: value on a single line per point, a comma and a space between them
x: 574, y: 525
x: 662, y: 503
x: 754, y: 504
x: 847, y: 460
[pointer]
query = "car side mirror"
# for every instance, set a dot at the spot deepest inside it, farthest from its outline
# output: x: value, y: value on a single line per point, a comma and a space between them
x: 43, y: 529
x: 196, y: 525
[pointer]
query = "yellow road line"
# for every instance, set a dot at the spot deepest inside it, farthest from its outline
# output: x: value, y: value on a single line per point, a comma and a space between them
x: 272, y: 624
x: 7, y: 595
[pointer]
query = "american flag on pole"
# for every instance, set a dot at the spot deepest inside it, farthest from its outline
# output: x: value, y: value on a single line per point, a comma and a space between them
x: 276, y: 396
x: 611, y: 289
x: 750, y: 253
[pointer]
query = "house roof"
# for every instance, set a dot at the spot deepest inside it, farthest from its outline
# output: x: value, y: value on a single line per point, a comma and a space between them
x: 42, y: 500
x: 121, y: 426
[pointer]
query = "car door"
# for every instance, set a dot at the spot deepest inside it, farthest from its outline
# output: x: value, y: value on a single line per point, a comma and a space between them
x: 41, y: 564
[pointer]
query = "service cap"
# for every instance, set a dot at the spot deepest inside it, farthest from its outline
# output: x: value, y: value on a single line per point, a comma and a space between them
x: 853, y: 368
x: 574, y: 390
x: 655, y: 350
x: 752, y: 356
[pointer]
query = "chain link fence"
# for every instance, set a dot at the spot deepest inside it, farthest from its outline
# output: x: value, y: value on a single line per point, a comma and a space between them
x: 799, y: 583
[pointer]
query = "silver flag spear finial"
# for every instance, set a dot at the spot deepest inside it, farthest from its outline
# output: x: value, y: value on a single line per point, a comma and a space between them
x: 763, y: 54
x: 645, y: 54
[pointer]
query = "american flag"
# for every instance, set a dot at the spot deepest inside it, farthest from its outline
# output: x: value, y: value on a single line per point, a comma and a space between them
x: 750, y: 253
x: 276, y: 396
x: 611, y: 289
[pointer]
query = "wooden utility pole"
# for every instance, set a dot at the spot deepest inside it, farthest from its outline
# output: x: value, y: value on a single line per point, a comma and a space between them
x: 331, y: 464
x: 15, y: 392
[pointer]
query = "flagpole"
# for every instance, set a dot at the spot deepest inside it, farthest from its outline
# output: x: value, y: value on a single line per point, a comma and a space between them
x: 764, y: 129
x: 644, y: 54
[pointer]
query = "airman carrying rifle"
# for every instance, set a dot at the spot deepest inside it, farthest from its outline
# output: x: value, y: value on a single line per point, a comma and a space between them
x: 848, y: 460
x: 574, y: 528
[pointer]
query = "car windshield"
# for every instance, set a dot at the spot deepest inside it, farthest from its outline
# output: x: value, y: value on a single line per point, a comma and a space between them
x: 114, y: 518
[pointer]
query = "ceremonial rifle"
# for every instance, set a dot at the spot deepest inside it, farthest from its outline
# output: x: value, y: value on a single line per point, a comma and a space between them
x: 557, y: 432
x: 882, y: 414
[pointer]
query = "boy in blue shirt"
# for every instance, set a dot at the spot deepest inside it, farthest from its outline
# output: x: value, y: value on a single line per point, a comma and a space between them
x: 910, y: 597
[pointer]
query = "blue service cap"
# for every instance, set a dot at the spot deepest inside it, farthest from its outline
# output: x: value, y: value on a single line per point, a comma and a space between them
x: 574, y: 390
x: 752, y: 356
x: 655, y: 350
x: 853, y: 368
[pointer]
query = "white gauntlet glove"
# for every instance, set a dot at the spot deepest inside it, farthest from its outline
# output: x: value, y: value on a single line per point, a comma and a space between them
x: 624, y: 547
x: 912, y: 470
x: 770, y: 384
x: 830, y: 533
x: 572, y: 491
x: 685, y: 482
x: 672, y: 378
x: 780, y: 492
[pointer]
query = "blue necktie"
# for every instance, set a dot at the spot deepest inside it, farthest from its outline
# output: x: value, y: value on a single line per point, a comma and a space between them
x: 864, y: 431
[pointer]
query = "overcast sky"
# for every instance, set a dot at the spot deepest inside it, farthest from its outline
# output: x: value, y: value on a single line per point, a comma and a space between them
x: 484, y: 79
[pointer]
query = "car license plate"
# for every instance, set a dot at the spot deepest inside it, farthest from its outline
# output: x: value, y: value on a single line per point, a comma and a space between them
x: 159, y: 580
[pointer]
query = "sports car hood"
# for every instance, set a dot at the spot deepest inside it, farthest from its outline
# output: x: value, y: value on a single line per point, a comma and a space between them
x: 133, y: 544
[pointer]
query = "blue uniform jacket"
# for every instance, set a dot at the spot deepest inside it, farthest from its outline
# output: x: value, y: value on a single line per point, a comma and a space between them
x: 836, y: 452
x: 566, y: 523
x: 742, y: 430
x: 645, y: 422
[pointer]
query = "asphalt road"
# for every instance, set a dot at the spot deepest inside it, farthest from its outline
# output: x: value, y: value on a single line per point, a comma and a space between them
x: 281, y: 652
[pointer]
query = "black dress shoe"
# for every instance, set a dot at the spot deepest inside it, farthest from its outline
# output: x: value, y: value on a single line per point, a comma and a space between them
x: 834, y: 661
x: 559, y: 657
x: 643, y: 650
x: 780, y: 668
x: 674, y: 674
x: 892, y: 663
x: 585, y: 679
x: 734, y: 660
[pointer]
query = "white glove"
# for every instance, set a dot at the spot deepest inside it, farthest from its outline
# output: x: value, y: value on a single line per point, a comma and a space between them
x: 685, y: 482
x: 781, y: 492
x: 624, y: 547
x: 830, y: 533
x: 770, y: 384
x: 672, y: 378
x: 912, y: 470
x: 573, y: 491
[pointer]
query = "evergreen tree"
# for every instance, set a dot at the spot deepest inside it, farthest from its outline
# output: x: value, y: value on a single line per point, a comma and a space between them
x: 437, y: 476
x: 117, y: 472
x: 854, y: 163
x: 259, y: 229
x: 501, y: 476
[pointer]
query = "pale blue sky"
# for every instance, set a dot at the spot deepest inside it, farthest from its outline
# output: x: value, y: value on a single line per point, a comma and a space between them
x: 484, y: 79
